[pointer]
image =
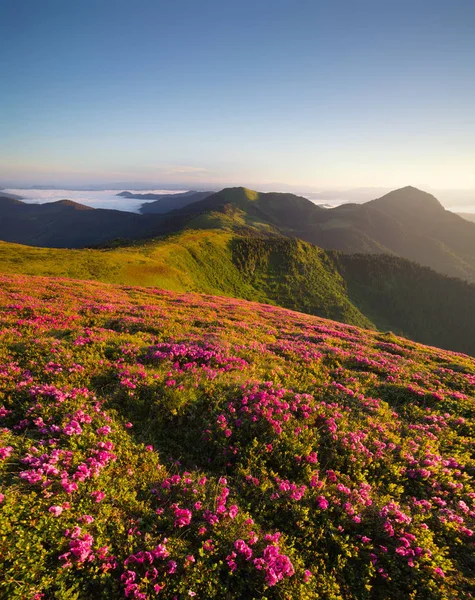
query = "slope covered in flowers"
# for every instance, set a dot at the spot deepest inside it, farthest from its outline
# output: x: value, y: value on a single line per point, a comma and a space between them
x: 154, y: 444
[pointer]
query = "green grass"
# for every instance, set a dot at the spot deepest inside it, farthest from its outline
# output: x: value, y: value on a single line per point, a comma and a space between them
x: 372, y: 291
x: 279, y: 271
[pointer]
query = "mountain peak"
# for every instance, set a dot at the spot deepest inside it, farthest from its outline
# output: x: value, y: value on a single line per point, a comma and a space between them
x: 70, y: 204
x: 409, y: 197
x: 241, y: 192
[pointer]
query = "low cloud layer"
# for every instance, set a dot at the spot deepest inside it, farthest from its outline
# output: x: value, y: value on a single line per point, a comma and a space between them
x: 96, y: 199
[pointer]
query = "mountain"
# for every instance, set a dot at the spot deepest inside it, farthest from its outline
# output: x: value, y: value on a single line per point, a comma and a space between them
x: 411, y: 224
x: 68, y: 224
x: 156, y: 444
x: 167, y: 202
x: 375, y: 291
x: 407, y: 222
x: 5, y: 194
x: 280, y: 210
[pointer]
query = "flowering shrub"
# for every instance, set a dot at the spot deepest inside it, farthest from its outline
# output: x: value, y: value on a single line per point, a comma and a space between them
x: 163, y: 445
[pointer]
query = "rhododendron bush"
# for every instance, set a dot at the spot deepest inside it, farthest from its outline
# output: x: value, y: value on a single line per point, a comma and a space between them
x: 156, y: 445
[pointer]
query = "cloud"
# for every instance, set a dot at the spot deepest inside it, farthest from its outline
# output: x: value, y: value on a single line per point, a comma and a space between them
x: 96, y: 199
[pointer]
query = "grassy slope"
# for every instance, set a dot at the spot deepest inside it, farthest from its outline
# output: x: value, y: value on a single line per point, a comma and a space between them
x: 384, y: 292
x: 291, y: 273
x: 158, y: 439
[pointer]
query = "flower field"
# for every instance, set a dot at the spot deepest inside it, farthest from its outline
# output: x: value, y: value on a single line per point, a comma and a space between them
x: 155, y: 444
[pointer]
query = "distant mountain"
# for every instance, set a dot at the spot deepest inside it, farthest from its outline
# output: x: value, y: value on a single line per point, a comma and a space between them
x: 407, y: 222
x: 5, y: 194
x: 67, y: 224
x: 167, y: 202
x: 282, y: 211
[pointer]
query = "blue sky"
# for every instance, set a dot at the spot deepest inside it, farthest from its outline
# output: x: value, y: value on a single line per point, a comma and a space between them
x: 337, y: 94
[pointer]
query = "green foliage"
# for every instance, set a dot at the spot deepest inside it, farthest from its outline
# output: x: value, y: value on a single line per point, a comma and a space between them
x: 411, y: 300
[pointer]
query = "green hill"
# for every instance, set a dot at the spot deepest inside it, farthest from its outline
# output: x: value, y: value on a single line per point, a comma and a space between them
x: 275, y: 270
x: 374, y: 291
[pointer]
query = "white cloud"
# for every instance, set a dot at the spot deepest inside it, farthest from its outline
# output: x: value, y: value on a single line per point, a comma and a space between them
x: 96, y: 199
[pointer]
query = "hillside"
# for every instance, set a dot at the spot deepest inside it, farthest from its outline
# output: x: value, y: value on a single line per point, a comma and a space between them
x: 279, y: 271
x: 406, y: 298
x: 368, y: 290
x: 173, y: 446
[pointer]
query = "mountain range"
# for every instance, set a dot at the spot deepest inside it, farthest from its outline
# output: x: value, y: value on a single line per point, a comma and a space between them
x: 365, y: 265
x: 155, y: 441
x: 407, y: 222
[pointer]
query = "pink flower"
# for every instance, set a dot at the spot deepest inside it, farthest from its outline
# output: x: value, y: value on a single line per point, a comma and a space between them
x: 171, y: 567
x: 307, y: 575
x: 86, y: 519
x: 98, y: 496
x: 5, y: 452
x: 55, y: 510
x: 243, y: 549
x: 311, y: 458
x: 183, y: 516
x: 253, y: 537
x: 104, y: 430
x: 322, y: 502
x: 276, y: 565
x: 128, y: 425
x: 438, y: 571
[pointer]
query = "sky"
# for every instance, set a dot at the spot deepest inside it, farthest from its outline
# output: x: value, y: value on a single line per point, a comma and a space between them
x: 311, y: 94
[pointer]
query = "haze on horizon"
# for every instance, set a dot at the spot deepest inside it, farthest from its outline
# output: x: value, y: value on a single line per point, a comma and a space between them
x: 307, y: 94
